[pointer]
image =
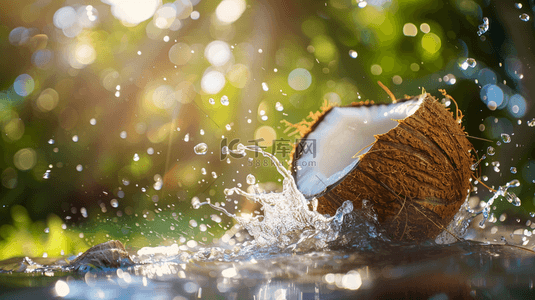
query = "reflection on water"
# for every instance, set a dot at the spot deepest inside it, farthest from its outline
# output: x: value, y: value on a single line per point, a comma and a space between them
x: 456, y: 271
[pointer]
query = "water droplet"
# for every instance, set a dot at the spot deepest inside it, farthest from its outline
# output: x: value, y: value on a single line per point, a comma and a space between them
x: 136, y: 157
x: 228, y: 192
x: 201, y: 132
x: 513, y: 170
x: 227, y: 127
x: 114, y: 203
x: 143, y: 189
x: 468, y: 63
x: 531, y: 123
x: 506, y: 138
x: 203, y: 171
x: 200, y: 149
x: 265, y: 87
x: 214, y: 174
x: 123, y: 134
x: 47, y: 230
x: 264, y: 118
x: 150, y: 151
x: 518, y: 5
x: 251, y: 179
x: 125, y: 181
x: 139, y: 53
x: 93, y: 121
x: 524, y: 17
x: 353, y: 53
x: 491, y: 151
x: 75, y: 138
x: 224, y: 150
x: 79, y: 168
x: 224, y: 100
x: 193, y: 223
x: 186, y: 138
x: 211, y: 101
x: 278, y: 106
x: 117, y: 94
x: 46, y: 175
x: 158, y: 184
x: 51, y: 141
x: 361, y: 3
x: 483, y: 27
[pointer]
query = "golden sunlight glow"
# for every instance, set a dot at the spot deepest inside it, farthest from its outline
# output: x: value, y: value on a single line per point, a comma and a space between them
x: 228, y: 11
x: 84, y: 54
x: 133, y: 12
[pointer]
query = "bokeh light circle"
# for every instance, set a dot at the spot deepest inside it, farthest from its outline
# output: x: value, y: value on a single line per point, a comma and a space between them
x: 517, y: 106
x: 217, y: 53
x: 64, y: 17
x: 300, y: 79
x: 180, y: 54
x: 212, y: 82
x: 25, y: 159
x: 24, y: 85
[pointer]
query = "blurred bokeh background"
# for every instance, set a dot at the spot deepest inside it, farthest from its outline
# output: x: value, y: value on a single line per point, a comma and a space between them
x: 114, y: 112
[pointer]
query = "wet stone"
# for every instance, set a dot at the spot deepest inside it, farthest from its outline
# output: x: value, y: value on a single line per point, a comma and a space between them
x: 111, y: 254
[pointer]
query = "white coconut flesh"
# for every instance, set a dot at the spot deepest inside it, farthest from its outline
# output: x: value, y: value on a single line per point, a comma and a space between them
x: 344, y: 132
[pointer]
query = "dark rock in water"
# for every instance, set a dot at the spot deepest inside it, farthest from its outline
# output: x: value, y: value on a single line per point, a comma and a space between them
x: 111, y: 254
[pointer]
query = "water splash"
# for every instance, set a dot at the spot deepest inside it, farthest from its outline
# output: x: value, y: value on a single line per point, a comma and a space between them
x: 483, y: 27
x: 289, y: 221
x: 501, y: 192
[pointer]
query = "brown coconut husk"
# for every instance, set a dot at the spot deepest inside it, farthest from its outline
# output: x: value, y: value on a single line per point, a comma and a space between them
x: 417, y: 175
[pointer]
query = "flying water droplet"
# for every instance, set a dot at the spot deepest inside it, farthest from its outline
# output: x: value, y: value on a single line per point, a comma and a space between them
x: 203, y: 171
x: 483, y: 27
x: 214, y: 174
x: 468, y: 63
x: 186, y: 138
x: 353, y: 53
x: 531, y: 123
x: 227, y: 127
x: 524, y: 17
x: 251, y: 179
x: 278, y: 106
x: 46, y: 175
x: 93, y: 121
x: 518, y: 5
x: 136, y: 157
x: 200, y: 149
x: 224, y: 100
x: 79, y: 168
x: 75, y: 138
x: 491, y: 151
x: 265, y: 87
x: 158, y: 184
x: 211, y: 101
x: 506, y: 138
x: 51, y: 141
x: 114, y: 203
x: 201, y: 131
x: 513, y: 170
x: 195, y: 202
